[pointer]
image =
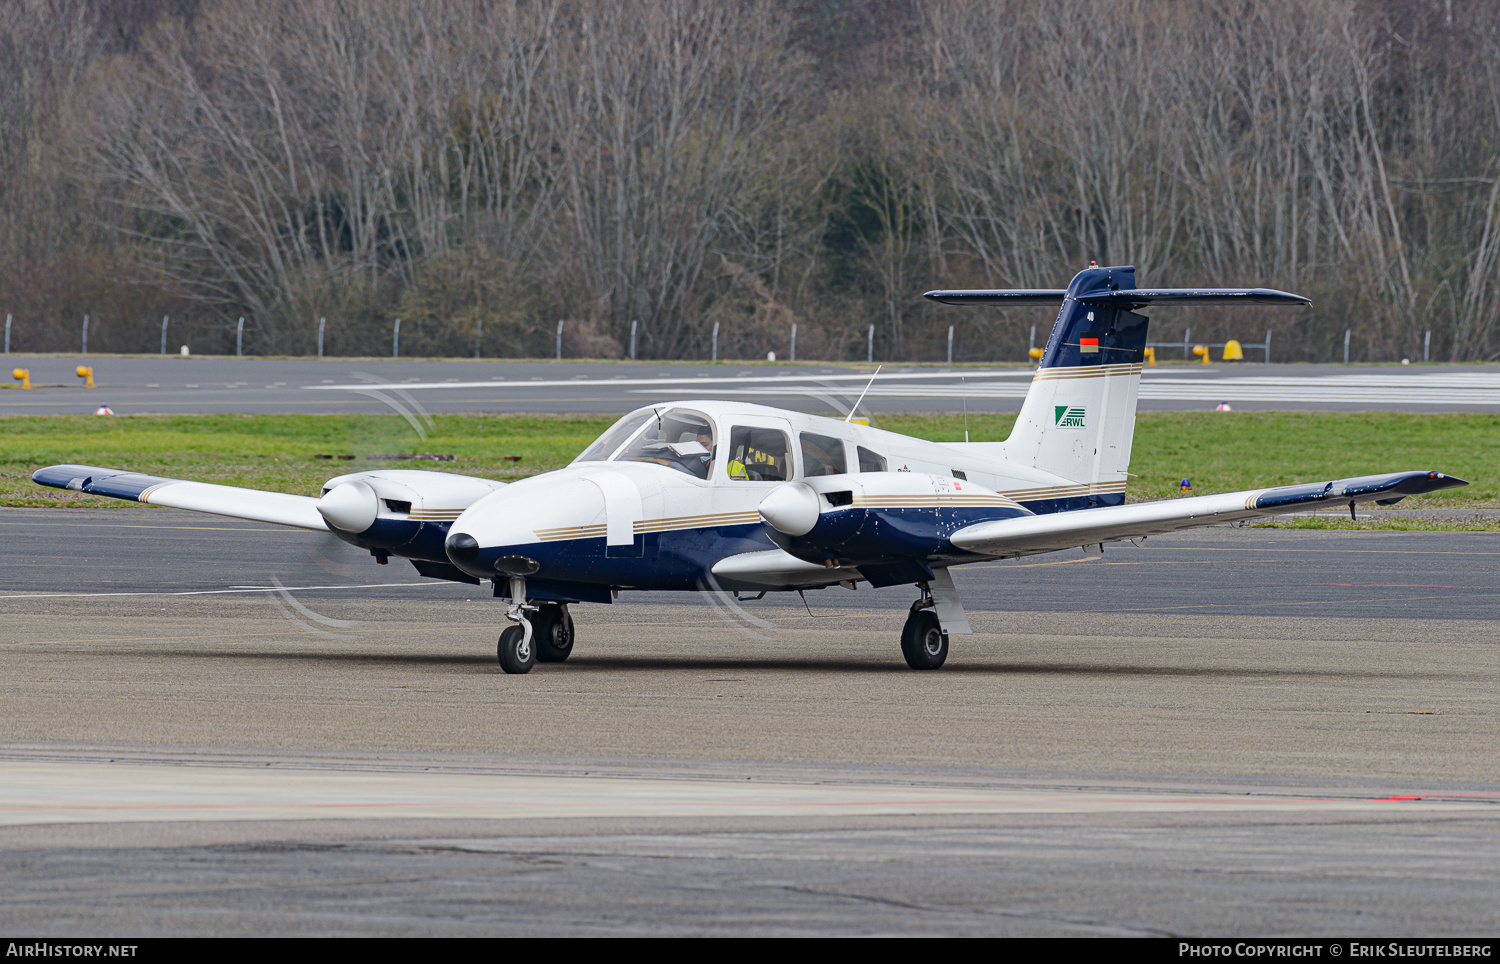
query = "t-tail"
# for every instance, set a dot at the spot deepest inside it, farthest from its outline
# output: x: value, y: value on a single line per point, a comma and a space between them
x: 1078, y: 420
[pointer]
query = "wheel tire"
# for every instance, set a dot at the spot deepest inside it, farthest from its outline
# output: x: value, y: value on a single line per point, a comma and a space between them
x: 516, y: 655
x: 923, y: 642
x: 553, y: 639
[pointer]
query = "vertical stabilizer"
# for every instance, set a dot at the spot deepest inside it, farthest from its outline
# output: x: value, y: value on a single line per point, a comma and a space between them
x: 1078, y: 419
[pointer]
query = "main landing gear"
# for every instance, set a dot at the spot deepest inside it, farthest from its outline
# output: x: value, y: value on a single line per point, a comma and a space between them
x: 540, y: 633
x: 923, y: 642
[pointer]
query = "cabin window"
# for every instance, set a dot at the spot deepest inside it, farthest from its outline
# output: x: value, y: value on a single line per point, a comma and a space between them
x: 822, y: 455
x: 677, y: 438
x: 617, y: 435
x: 869, y: 461
x: 758, y: 455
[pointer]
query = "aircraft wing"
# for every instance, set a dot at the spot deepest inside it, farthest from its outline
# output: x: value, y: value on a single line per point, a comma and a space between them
x: 1085, y: 527
x: 299, y: 511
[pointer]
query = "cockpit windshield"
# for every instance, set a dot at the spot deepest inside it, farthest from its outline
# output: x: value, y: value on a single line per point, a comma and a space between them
x: 617, y: 435
x: 677, y: 438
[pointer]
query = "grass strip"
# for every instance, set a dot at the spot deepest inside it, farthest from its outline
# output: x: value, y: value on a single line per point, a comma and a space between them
x: 1219, y: 452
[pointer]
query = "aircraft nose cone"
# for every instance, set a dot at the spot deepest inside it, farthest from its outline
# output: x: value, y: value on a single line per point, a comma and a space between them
x: 461, y: 547
x: 791, y: 509
x: 350, y: 507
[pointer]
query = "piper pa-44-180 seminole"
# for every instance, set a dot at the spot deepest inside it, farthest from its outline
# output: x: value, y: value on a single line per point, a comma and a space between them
x: 716, y: 496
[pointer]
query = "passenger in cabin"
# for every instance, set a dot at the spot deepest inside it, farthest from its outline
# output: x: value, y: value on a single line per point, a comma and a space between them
x: 760, y: 455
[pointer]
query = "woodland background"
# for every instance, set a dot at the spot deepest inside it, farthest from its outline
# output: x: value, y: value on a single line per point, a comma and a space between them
x: 496, y: 167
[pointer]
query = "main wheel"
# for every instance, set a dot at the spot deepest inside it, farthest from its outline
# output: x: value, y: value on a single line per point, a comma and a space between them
x: 553, y: 629
x: 923, y: 642
x: 517, y: 655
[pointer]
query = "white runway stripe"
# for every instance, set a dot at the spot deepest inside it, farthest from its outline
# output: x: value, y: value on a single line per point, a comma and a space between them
x: 796, y: 381
x: 1447, y: 389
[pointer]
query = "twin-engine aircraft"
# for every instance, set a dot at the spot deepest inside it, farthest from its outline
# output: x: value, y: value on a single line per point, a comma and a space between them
x: 714, y: 495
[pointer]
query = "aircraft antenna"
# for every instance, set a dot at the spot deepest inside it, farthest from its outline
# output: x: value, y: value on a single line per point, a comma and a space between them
x: 861, y: 398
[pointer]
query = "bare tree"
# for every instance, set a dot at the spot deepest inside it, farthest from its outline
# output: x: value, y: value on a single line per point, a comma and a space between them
x: 661, y: 111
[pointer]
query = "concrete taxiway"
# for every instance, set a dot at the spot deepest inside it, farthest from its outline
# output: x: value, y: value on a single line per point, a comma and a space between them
x: 168, y: 385
x: 1225, y: 732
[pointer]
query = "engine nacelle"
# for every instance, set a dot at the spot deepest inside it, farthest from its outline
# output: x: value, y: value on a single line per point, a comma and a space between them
x: 875, y: 519
x: 403, y: 512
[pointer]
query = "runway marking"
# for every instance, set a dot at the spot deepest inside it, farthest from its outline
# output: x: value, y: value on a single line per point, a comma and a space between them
x: 1257, y: 605
x: 93, y: 792
x: 812, y: 381
x: 1036, y: 565
x: 138, y: 525
x: 94, y: 640
x: 1423, y: 796
x: 211, y: 592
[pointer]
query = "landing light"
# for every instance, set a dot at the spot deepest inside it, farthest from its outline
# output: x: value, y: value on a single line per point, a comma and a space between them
x: 516, y: 565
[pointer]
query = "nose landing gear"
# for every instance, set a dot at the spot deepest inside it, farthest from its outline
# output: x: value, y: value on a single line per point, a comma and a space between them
x: 923, y: 642
x: 515, y: 652
x: 541, y: 633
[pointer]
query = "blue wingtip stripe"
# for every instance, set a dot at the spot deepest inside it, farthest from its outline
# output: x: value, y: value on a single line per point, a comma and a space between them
x: 114, y: 483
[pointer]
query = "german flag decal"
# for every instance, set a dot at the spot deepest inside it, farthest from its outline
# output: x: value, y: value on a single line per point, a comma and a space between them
x: 1088, y: 343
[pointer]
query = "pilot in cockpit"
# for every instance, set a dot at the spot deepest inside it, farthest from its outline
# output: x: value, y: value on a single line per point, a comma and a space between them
x: 679, y: 439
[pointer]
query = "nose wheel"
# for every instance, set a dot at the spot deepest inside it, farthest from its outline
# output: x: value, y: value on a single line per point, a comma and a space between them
x: 516, y: 651
x: 923, y: 642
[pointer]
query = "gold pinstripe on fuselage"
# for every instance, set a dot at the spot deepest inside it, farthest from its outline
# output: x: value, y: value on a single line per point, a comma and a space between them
x: 434, y: 515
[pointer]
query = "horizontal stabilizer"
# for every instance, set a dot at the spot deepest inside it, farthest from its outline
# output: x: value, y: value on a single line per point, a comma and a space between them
x: 999, y: 296
x: 299, y: 511
x: 1064, y: 530
x: 1127, y: 298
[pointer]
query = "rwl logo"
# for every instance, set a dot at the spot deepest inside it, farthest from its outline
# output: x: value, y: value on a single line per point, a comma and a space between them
x: 1068, y: 416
